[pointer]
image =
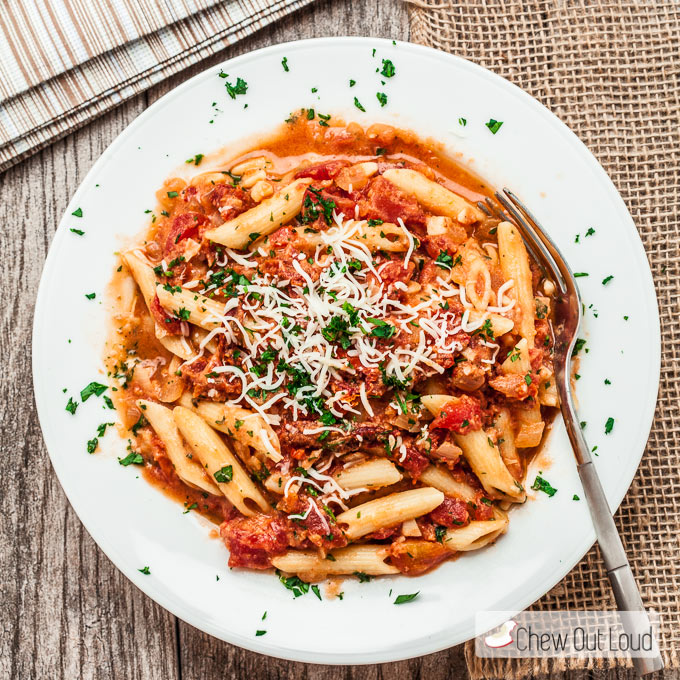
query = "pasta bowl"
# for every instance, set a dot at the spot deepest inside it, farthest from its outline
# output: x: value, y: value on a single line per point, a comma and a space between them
x: 503, y: 135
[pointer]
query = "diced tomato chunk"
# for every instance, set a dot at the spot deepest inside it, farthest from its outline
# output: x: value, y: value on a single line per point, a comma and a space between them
x: 414, y: 462
x: 461, y: 415
x: 322, y: 171
x: 184, y: 226
x: 452, y: 512
x: 165, y: 321
x: 386, y: 202
x: 253, y: 541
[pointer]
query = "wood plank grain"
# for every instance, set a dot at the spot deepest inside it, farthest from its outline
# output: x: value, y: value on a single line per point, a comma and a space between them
x: 67, y: 612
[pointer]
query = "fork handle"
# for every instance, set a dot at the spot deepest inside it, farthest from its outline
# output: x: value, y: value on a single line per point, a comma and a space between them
x: 626, y: 592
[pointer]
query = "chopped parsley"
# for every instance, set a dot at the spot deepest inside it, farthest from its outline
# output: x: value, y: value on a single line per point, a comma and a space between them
x: 382, y: 328
x: 388, y: 69
x: 144, y: 570
x: 578, y: 346
x: 71, y: 406
x: 196, y: 160
x: 541, y: 484
x: 578, y: 275
x: 239, y: 87
x: 337, y: 331
x: 444, y: 260
x: 259, y: 633
x: 462, y: 122
x: 173, y: 194
x: 93, y: 388
x: 224, y: 475
x: 575, y: 498
x: 78, y: 212
x: 352, y: 83
x: 90, y: 296
x: 357, y: 103
x: 609, y: 425
x: 402, y: 599
x: 312, y: 209
x: 382, y: 98
x: 363, y: 578
x: 92, y: 445
x: 133, y: 458
x: 494, y: 125
x: 295, y: 584
x: 607, y: 279
x: 140, y: 423
x: 439, y: 533
x: 284, y: 63
x: 80, y: 232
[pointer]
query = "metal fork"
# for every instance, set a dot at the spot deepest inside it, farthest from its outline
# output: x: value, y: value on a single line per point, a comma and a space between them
x: 566, y: 321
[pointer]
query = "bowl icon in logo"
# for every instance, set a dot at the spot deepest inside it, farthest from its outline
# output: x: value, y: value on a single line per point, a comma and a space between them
x: 502, y: 637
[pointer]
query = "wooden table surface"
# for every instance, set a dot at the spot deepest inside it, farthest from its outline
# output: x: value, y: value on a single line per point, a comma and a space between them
x: 67, y: 612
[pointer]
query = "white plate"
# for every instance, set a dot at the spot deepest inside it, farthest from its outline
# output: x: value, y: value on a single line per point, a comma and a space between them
x: 534, y: 154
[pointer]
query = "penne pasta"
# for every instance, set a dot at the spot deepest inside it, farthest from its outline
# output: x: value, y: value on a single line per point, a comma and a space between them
x: 440, y: 478
x: 219, y: 462
x: 475, y: 535
x: 263, y: 219
x: 507, y: 447
x: 143, y: 274
x: 245, y: 426
x: 365, y: 559
x: 431, y: 195
x: 389, y: 511
x: 373, y: 474
x: 482, y: 454
x: 161, y: 420
x: 498, y: 325
x: 515, y: 265
x: 191, y: 307
x: 358, y: 372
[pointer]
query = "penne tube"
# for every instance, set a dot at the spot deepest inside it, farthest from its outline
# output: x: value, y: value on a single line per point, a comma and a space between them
x: 188, y: 469
x: 487, y: 464
x: 482, y: 454
x: 142, y: 273
x: 440, y: 478
x: 199, y: 310
x: 476, y: 535
x: 372, y: 474
x: 410, y: 528
x: 515, y: 265
x: 507, y: 447
x: 547, y: 389
x: 263, y: 219
x: 246, y: 427
x: 500, y: 325
x: 389, y: 511
x: 433, y: 196
x: 217, y: 459
x: 367, y: 559
x: 386, y: 236
x: 531, y: 426
x: 518, y: 360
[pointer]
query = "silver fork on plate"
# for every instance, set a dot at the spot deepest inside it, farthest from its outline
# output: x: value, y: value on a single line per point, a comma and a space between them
x: 566, y: 321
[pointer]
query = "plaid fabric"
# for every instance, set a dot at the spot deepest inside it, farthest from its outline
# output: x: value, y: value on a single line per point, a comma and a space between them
x: 63, y: 63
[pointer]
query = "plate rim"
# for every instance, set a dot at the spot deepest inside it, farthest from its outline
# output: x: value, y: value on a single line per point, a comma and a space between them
x: 588, y: 536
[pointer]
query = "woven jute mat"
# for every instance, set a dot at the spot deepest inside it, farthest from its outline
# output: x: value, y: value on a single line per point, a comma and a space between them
x: 611, y: 71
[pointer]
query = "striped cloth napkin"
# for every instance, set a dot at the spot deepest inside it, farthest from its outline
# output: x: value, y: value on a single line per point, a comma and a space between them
x: 64, y: 62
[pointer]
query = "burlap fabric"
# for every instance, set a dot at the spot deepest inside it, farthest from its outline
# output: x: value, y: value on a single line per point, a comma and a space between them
x: 611, y: 71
